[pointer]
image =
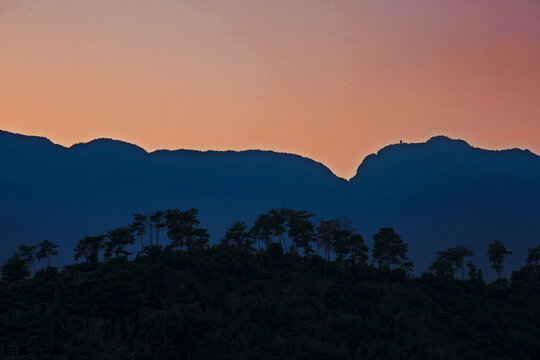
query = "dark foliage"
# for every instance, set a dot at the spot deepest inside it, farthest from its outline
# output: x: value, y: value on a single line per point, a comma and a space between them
x: 284, y: 301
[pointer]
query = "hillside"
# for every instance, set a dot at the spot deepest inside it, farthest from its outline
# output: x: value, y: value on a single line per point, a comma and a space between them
x: 224, y: 303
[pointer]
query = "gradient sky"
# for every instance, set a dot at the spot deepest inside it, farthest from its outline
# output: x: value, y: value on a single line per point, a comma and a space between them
x: 333, y: 80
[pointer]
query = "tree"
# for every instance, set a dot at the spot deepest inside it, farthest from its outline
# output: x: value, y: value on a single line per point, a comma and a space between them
x: 46, y: 250
x: 389, y: 249
x: 117, y: 240
x: 15, y: 268
x: 442, y: 268
x: 496, y: 254
x: 28, y: 253
x: 89, y: 248
x: 174, y: 230
x: 196, y: 237
x: 533, y: 255
x: 449, y: 260
x: 459, y: 254
x: 347, y: 245
x: 357, y: 249
x: 300, y: 230
x: 475, y: 274
x: 158, y: 219
x: 183, y: 229
x: 237, y: 236
x: 148, y: 224
x: 277, y: 224
x: 326, y: 235
x: 139, y: 227
x: 262, y: 230
x: 341, y: 244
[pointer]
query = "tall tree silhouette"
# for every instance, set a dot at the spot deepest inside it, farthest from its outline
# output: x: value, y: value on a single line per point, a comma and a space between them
x: 277, y: 225
x: 341, y: 244
x: 449, y: 260
x: 496, y: 254
x: 148, y: 224
x: 89, y: 248
x: 300, y: 230
x: 183, y: 229
x: 357, y: 249
x: 174, y: 228
x: 461, y: 252
x: 389, y: 249
x: 196, y: 237
x: 262, y: 230
x: 28, y: 253
x: 442, y: 267
x: 139, y: 227
x: 46, y: 249
x: 475, y: 274
x: 158, y: 219
x: 237, y: 236
x: 116, y: 242
x: 326, y: 234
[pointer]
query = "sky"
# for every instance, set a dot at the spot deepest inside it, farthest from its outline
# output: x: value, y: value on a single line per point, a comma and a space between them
x: 333, y: 80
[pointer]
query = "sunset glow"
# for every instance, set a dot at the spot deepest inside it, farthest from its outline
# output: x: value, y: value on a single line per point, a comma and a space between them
x: 332, y: 80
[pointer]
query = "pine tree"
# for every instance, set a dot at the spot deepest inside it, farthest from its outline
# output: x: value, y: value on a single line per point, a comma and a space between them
x: 46, y: 250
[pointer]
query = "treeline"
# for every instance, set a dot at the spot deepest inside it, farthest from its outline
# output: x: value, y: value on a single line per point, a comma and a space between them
x: 284, y: 288
x: 292, y: 230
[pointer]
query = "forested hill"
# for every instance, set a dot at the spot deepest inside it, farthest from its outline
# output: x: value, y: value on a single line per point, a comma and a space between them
x: 437, y: 194
x: 256, y: 295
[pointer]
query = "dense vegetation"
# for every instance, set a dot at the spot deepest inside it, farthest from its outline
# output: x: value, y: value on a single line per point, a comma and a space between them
x: 283, y: 289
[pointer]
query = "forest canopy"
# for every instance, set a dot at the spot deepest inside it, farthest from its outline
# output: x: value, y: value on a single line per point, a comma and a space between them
x: 283, y: 288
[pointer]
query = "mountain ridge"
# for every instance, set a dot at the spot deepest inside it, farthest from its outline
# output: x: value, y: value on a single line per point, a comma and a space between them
x: 104, y: 141
x: 446, y: 142
x: 437, y: 140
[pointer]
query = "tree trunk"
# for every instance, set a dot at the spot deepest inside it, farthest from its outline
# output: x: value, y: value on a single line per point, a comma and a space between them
x: 283, y: 243
x: 326, y: 262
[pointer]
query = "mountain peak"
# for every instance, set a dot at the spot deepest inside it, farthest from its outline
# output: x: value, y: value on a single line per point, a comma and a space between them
x: 107, y: 144
x: 437, y: 152
x: 441, y: 139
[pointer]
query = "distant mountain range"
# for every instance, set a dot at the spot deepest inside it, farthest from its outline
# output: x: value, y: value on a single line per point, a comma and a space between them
x: 437, y: 194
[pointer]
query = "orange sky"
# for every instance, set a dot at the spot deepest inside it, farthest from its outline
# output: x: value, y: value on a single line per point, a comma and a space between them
x: 334, y: 80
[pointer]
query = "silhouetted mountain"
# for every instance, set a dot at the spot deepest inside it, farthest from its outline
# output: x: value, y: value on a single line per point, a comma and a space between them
x: 436, y: 194
x: 444, y: 193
